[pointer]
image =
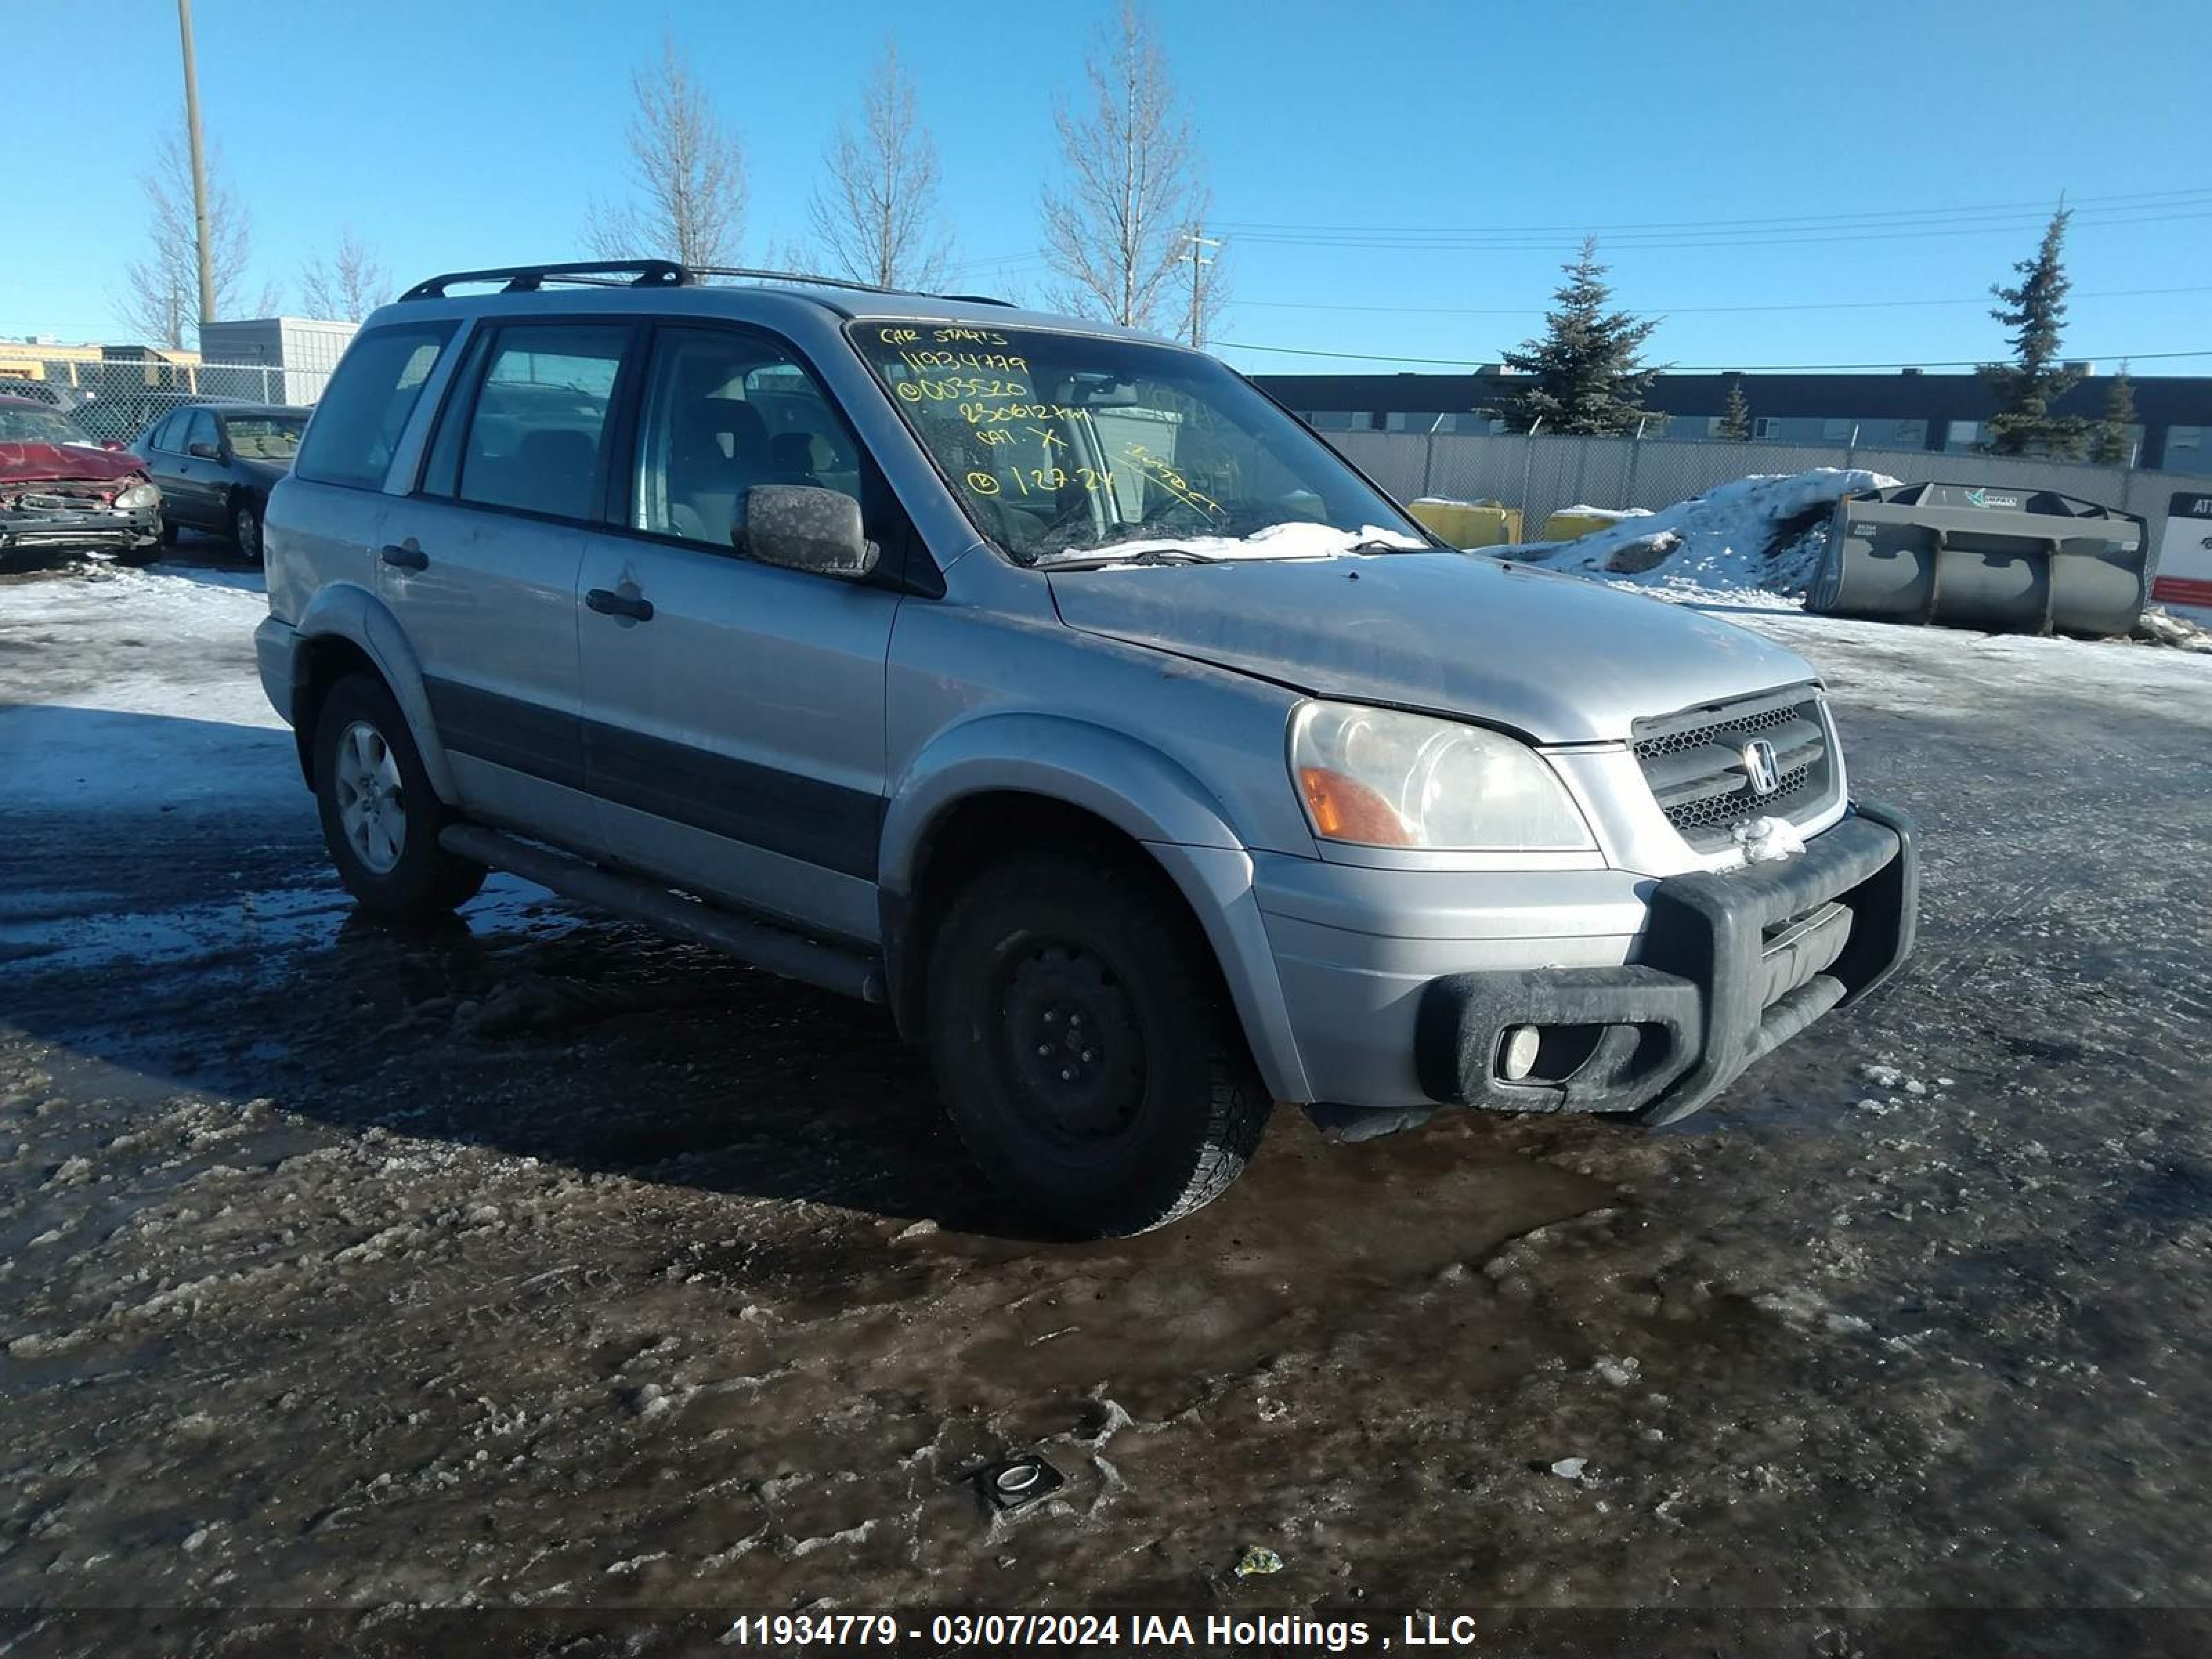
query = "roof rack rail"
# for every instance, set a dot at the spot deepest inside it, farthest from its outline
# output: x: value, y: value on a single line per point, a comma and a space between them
x: 527, y: 279
x: 814, y: 279
x: 654, y: 273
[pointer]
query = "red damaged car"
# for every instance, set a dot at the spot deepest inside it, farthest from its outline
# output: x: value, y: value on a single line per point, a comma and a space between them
x: 60, y: 490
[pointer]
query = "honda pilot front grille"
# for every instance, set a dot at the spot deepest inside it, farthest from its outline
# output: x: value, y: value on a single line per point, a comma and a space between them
x: 1715, y: 767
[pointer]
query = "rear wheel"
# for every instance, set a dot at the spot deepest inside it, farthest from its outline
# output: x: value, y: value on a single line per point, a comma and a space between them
x: 381, y: 815
x: 246, y: 528
x: 1085, y: 1046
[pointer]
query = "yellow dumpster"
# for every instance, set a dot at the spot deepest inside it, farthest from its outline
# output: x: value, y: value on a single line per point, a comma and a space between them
x: 1469, y: 524
x: 1567, y: 526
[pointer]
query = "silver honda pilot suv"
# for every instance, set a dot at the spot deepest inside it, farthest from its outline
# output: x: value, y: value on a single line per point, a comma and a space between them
x: 1048, y: 683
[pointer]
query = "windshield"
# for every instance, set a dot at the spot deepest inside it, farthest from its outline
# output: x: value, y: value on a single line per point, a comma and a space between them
x: 265, y: 437
x: 1070, y: 448
x: 36, y: 426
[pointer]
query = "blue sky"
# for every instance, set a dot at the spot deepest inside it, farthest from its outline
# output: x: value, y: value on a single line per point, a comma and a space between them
x: 1339, y: 139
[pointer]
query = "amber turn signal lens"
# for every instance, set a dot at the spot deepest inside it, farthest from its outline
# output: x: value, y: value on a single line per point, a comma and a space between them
x: 1344, y: 809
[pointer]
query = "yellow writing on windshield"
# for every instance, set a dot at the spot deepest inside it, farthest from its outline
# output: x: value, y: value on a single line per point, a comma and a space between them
x: 959, y: 388
x: 1165, y: 475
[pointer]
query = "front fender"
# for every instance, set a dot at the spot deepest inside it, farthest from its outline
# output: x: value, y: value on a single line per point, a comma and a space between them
x: 349, y: 611
x: 1149, y: 797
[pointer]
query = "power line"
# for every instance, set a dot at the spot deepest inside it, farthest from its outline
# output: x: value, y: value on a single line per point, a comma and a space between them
x: 1768, y: 221
x: 1697, y: 368
x: 1478, y: 244
x: 1688, y: 311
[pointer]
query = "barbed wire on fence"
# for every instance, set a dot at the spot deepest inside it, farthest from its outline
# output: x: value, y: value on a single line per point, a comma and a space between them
x: 116, y: 399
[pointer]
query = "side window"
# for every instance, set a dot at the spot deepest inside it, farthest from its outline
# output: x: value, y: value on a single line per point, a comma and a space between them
x: 538, y: 427
x: 366, y: 404
x: 164, y: 433
x: 202, y: 429
x: 722, y: 413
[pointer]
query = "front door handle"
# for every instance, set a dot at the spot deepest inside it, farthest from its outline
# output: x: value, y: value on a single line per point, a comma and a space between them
x: 406, y: 557
x: 608, y: 603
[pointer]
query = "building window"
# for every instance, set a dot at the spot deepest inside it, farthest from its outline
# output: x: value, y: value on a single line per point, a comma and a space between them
x: 1765, y: 426
x: 1912, y: 432
x: 1965, y: 434
x: 2190, y: 438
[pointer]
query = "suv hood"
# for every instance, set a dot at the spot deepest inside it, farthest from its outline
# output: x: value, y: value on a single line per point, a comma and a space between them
x: 1555, y: 658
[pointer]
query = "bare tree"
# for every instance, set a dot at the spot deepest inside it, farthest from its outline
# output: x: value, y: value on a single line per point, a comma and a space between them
x: 349, y: 287
x: 1115, y: 231
x: 877, y: 218
x: 689, y: 173
x: 160, y: 300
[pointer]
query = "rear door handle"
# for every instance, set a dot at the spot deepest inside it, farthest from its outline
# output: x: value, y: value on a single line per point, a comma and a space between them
x: 609, y: 602
x: 406, y: 558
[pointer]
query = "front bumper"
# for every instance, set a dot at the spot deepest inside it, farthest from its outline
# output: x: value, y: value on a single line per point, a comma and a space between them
x: 95, y: 529
x: 1730, y: 966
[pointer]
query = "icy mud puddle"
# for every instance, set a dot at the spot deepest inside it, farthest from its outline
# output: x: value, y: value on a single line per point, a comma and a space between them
x: 537, y: 1261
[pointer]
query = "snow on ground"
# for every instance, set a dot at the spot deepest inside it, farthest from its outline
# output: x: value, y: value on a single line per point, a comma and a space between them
x: 116, y: 682
x: 1762, y: 535
x: 1950, y: 671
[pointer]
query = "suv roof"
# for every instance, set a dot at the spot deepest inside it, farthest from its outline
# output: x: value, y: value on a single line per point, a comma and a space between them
x: 643, y: 284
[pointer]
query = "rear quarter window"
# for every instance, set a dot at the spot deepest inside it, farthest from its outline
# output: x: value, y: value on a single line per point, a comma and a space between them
x: 367, y: 405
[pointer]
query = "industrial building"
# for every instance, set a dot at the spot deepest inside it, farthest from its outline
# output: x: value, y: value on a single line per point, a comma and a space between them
x: 1905, y: 409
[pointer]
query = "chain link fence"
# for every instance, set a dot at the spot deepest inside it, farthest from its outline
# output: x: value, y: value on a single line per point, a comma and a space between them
x: 113, y: 399
x: 1541, y: 475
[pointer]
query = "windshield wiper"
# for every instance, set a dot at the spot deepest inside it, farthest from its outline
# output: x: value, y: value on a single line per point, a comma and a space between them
x: 1098, y: 558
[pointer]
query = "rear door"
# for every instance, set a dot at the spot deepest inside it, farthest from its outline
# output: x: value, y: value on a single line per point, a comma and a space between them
x: 733, y: 712
x: 161, y: 448
x: 481, y: 566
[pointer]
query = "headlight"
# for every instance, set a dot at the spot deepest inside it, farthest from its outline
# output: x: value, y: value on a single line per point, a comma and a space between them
x: 1378, y: 778
x: 139, y: 496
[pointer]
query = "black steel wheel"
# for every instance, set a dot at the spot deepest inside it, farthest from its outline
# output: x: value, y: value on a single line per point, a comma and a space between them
x: 1085, y: 1044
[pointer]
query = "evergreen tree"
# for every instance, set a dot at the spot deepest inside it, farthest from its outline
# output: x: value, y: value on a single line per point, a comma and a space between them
x: 1735, y: 413
x: 2026, y: 387
x: 1588, y: 378
x: 2114, y: 444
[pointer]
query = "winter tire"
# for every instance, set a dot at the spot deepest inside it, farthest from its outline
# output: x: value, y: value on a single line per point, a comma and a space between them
x: 1084, y: 1044
x: 381, y: 815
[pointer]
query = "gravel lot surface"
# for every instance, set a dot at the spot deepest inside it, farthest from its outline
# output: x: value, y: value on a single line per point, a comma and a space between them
x: 538, y: 1263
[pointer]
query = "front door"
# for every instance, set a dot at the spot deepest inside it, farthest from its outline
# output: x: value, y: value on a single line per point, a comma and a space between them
x: 195, y: 496
x: 481, y: 568
x: 734, y: 712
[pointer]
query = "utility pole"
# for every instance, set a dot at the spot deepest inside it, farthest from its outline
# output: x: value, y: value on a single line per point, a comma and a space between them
x: 199, y: 163
x: 1196, y: 241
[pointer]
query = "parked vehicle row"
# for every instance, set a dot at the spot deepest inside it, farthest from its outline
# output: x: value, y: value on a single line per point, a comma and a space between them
x: 1051, y: 684
x: 216, y: 463
x: 59, y: 489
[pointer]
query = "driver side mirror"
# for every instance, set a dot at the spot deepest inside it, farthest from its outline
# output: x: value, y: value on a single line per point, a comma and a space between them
x: 800, y: 527
x: 205, y: 450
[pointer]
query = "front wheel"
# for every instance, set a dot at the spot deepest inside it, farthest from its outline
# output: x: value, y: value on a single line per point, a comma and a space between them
x: 1084, y: 1047
x: 381, y: 815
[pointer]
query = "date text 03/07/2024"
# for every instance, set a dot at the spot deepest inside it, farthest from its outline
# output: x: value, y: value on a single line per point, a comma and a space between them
x: 1190, y: 1631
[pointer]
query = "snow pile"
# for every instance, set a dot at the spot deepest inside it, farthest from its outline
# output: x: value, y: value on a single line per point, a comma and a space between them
x: 1766, y: 532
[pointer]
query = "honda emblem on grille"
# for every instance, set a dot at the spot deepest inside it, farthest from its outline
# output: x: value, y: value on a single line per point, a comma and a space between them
x: 1761, y: 768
